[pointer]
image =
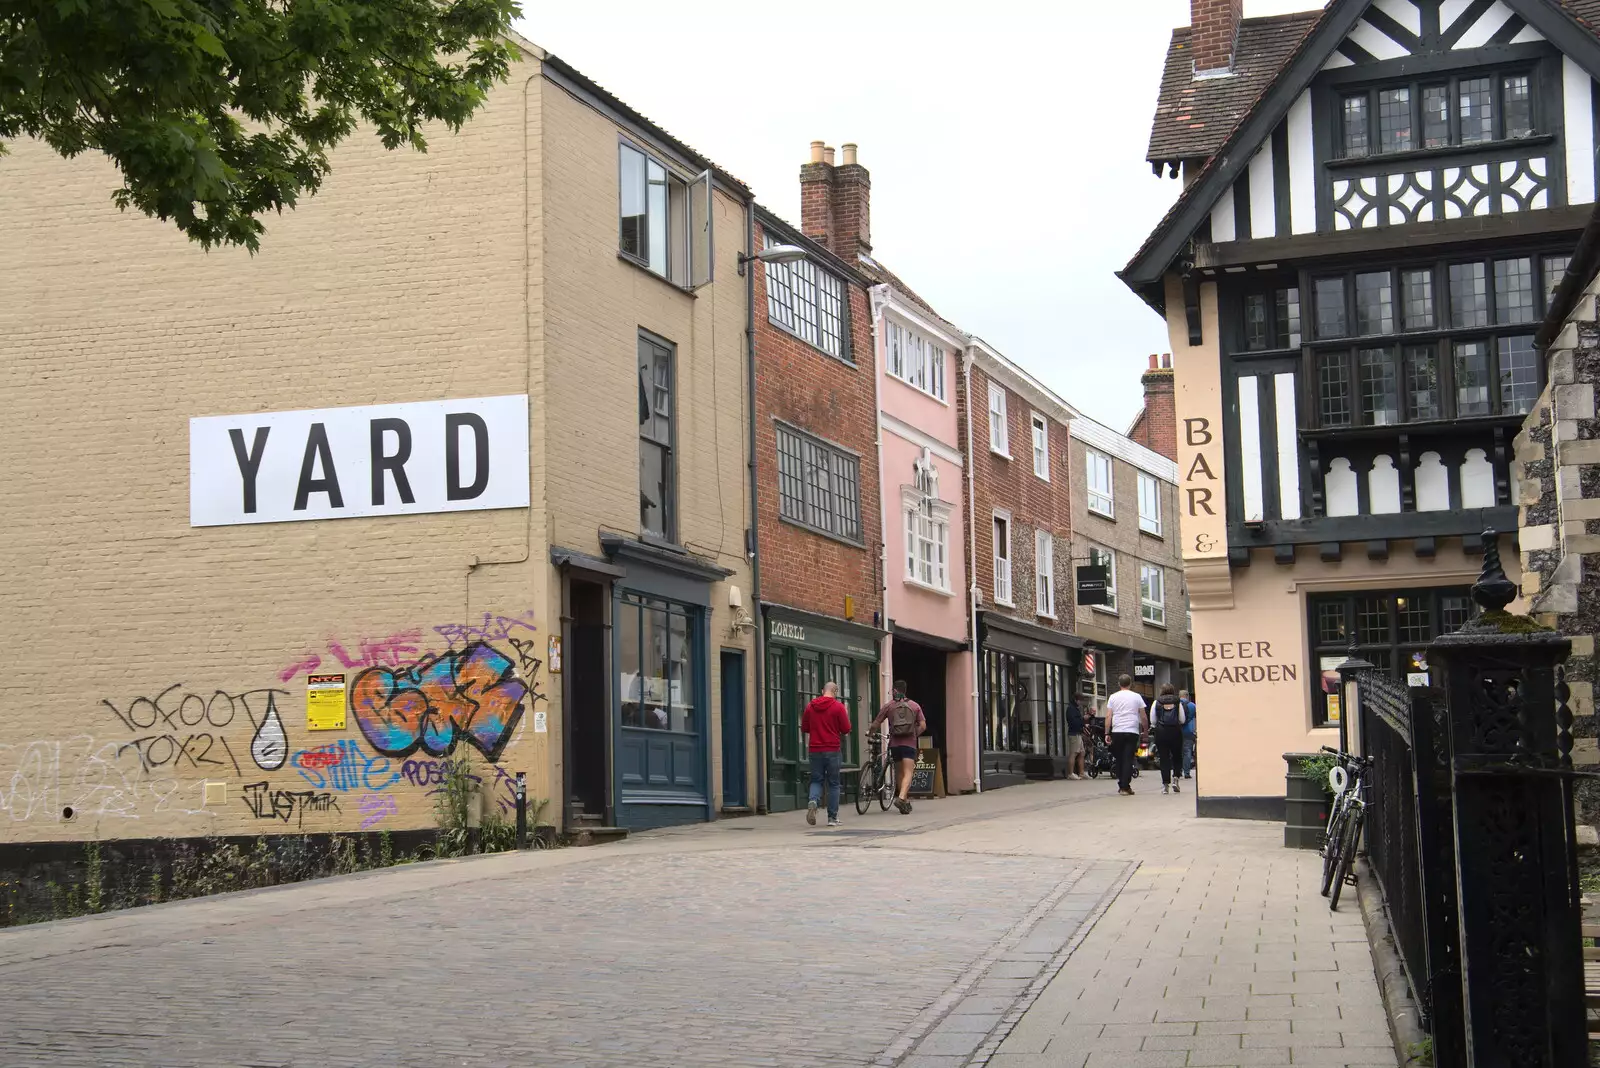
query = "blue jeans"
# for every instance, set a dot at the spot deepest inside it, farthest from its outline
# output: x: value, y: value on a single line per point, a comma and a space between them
x: 1188, y: 755
x: 826, y: 764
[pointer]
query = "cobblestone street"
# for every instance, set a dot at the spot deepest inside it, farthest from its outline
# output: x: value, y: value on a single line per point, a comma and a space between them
x: 923, y: 941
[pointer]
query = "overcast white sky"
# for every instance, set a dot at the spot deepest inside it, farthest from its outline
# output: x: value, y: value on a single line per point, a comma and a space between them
x: 1006, y: 142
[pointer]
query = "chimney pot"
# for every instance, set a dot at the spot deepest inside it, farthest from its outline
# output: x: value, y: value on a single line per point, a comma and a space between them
x: 849, y: 155
x: 827, y: 155
x: 1152, y: 361
x: 1166, y: 360
x: 816, y: 152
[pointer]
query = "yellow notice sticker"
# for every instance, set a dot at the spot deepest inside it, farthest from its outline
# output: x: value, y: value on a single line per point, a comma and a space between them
x: 325, y: 702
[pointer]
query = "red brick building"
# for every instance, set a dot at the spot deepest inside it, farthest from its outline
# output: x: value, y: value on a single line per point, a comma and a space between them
x: 1156, y: 425
x: 1016, y: 439
x: 819, y: 519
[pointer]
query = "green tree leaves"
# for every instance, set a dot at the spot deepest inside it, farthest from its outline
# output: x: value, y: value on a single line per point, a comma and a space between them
x: 218, y: 111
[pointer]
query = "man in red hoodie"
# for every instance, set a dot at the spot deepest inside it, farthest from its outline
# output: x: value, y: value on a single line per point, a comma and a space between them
x: 825, y: 720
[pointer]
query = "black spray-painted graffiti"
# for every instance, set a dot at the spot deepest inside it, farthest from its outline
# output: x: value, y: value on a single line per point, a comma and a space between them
x: 266, y: 803
x: 174, y: 711
x: 198, y: 751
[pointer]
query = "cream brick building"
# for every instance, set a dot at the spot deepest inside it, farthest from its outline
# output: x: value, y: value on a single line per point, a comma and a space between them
x: 164, y: 687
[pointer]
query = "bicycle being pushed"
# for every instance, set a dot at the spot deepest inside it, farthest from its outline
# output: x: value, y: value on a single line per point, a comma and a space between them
x: 1346, y: 817
x: 877, y: 777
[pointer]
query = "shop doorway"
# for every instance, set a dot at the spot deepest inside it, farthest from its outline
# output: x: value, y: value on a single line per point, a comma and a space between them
x: 588, y: 722
x: 733, y: 753
x: 923, y: 670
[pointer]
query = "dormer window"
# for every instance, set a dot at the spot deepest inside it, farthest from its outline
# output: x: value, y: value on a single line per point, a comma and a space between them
x: 1466, y: 110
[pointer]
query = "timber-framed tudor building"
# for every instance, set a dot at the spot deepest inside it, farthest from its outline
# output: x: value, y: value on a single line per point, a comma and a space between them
x: 1378, y: 201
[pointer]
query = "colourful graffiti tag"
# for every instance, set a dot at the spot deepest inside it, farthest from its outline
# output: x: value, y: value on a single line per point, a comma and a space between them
x: 473, y: 693
x: 343, y: 766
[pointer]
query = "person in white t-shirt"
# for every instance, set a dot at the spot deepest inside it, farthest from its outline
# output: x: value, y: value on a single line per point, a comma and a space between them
x: 1126, y: 722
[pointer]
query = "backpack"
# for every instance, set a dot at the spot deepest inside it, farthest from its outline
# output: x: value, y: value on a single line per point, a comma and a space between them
x: 902, y: 719
x: 1168, y: 712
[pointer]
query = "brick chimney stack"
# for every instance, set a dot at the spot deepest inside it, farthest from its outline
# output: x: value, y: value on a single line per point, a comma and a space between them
x: 1214, y: 30
x: 835, y: 201
x: 1157, y: 426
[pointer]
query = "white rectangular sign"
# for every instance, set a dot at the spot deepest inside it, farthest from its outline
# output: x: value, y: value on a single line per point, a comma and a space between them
x: 378, y: 459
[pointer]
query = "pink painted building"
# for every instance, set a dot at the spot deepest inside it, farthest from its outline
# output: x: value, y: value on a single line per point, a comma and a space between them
x: 926, y: 591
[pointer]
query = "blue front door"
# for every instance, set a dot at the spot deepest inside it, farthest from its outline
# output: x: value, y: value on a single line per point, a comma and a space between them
x: 733, y: 779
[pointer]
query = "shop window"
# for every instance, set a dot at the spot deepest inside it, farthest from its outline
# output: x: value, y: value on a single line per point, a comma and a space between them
x: 1024, y: 704
x: 1392, y: 630
x: 659, y: 664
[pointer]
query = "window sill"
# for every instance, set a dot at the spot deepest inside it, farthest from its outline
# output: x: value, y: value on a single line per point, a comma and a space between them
x: 1105, y: 610
x: 1156, y: 534
x: 1385, y: 158
x: 919, y: 584
x: 1045, y: 478
x: 656, y: 541
x: 913, y: 387
x: 998, y: 603
x: 996, y: 452
x: 1153, y: 623
x: 1111, y: 515
x: 1051, y: 616
x: 663, y: 279
x: 819, y: 532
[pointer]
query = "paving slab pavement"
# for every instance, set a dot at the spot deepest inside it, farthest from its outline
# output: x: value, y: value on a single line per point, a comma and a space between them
x: 1051, y: 924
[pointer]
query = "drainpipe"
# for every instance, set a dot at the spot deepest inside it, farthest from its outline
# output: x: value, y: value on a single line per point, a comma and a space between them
x: 972, y: 577
x: 880, y: 295
x: 753, y: 547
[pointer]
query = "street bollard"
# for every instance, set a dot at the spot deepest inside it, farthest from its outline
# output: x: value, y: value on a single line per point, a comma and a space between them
x: 522, y: 810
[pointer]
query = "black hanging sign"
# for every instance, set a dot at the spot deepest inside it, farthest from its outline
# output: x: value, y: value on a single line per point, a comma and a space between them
x: 1092, y: 579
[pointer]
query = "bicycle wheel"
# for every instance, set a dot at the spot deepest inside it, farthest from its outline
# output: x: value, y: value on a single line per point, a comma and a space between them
x: 866, y: 786
x: 1330, y: 844
x: 1347, y: 853
x: 888, y: 783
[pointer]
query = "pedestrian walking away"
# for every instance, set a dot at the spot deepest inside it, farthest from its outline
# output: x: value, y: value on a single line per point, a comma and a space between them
x: 1166, y: 725
x: 1188, y: 734
x: 906, y: 725
x: 1126, y: 722
x: 1075, y: 741
x: 825, y: 721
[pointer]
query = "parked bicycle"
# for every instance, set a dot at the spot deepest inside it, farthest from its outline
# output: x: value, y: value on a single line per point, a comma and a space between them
x: 1346, y: 817
x: 1098, y: 759
x: 877, y: 777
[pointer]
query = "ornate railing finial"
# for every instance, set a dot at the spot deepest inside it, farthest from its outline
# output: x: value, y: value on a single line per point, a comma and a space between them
x: 1493, y: 591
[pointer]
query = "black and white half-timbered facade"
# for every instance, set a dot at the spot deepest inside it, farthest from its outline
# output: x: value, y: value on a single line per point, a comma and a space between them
x: 1378, y: 201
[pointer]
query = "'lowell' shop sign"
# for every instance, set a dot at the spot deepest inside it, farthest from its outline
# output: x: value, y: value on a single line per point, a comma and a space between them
x: 381, y: 459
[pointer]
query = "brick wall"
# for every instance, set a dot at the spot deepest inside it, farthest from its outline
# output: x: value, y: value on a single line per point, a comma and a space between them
x: 1157, y: 426
x: 1558, y: 471
x: 834, y: 400
x: 1010, y: 485
x: 1215, y: 30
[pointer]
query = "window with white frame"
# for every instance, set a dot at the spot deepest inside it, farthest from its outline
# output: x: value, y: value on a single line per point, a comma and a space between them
x: 1101, y: 499
x: 927, y: 527
x: 1041, y: 447
x: 999, y: 433
x: 1107, y: 559
x: 1002, y: 559
x: 1044, y: 571
x: 1149, y: 504
x: 1153, y: 594
x: 808, y: 302
x: 915, y: 360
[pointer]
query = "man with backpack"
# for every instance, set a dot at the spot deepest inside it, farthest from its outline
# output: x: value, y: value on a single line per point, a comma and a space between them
x: 1167, y: 717
x: 825, y: 721
x: 906, y: 725
x: 1188, y: 734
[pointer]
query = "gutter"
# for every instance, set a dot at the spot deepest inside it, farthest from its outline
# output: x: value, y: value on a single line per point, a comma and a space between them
x: 885, y: 667
x: 753, y: 540
x: 972, y: 576
x: 1583, y: 268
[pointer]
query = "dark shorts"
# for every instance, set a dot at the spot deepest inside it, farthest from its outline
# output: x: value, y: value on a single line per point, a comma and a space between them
x: 903, y: 752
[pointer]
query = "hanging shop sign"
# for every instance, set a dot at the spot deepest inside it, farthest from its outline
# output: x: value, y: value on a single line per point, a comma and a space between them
x: 1092, y: 580
x: 379, y: 459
